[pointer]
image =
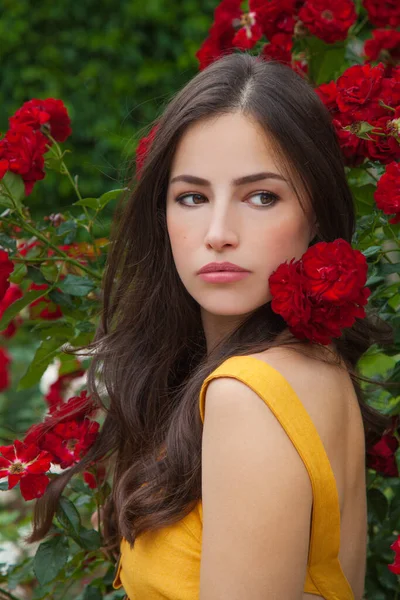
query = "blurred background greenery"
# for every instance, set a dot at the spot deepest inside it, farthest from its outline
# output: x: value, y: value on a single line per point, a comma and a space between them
x: 114, y: 65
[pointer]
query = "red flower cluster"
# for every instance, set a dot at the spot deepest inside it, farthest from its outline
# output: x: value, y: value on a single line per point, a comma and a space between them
x: 323, y: 292
x: 62, y: 439
x: 233, y: 28
x: 55, y: 395
x: 26, y: 465
x: 381, y: 13
x: 23, y: 147
x: 387, y: 193
x: 328, y: 21
x: 67, y: 432
x: 359, y: 98
x: 384, y: 46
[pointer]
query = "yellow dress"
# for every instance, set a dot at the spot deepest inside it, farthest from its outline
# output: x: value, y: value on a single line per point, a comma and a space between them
x: 165, y: 564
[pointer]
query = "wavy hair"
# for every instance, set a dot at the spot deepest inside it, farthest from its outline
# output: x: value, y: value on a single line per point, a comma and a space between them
x: 149, y: 355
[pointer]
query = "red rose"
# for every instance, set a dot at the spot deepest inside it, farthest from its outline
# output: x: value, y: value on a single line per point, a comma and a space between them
x: 286, y: 285
x: 280, y: 48
x: 24, y: 148
x: 43, y: 307
x: 381, y: 13
x: 68, y: 442
x: 395, y: 567
x: 26, y: 465
x: 3, y: 167
x: 353, y: 147
x: 143, y: 148
x: 335, y: 271
x: 4, y: 375
x: 328, y: 23
x: 38, y: 113
x: 276, y: 16
x: 55, y: 395
x: 358, y: 88
x: 6, y: 268
x: 384, y: 45
x: 249, y: 34
x: 323, y: 292
x: 382, y: 456
x: 210, y: 50
x: 328, y: 92
x: 13, y: 293
x: 384, y: 148
x: 387, y: 193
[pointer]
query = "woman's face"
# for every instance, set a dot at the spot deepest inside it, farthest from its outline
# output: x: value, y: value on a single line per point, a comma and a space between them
x: 256, y: 224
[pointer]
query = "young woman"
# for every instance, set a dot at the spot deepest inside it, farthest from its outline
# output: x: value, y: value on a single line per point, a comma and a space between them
x: 239, y: 447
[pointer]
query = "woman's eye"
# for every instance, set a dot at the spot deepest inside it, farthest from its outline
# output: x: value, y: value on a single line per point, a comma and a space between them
x: 268, y: 199
x: 180, y: 199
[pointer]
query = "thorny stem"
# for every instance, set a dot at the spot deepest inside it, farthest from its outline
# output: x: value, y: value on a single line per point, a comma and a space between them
x: 25, y: 225
x: 56, y: 150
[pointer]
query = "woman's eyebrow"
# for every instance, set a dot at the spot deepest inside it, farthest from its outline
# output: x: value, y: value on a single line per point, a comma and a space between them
x: 239, y: 181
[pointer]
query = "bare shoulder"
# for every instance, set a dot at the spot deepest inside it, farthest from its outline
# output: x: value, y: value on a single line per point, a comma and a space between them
x: 325, y: 389
x: 250, y: 473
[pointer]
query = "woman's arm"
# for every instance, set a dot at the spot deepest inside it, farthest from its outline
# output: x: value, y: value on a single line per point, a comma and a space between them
x: 257, y: 500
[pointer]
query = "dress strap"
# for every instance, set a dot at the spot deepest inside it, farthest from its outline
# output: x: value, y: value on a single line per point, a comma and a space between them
x: 278, y: 394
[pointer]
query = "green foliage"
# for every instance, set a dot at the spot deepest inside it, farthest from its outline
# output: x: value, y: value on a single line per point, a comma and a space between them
x: 115, y: 69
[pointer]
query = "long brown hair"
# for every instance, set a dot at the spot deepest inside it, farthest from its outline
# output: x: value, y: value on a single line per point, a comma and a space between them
x: 149, y: 353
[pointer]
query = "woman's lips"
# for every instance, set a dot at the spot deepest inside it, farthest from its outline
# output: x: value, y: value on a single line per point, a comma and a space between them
x: 224, y: 276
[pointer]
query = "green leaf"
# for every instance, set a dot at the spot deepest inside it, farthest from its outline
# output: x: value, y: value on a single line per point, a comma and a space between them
x: 76, y: 286
x: 50, y: 558
x: 18, y: 305
x: 68, y: 516
x: 47, y: 350
x: 371, y: 251
x: 90, y: 202
x: 15, y: 186
x: 388, y: 269
x: 364, y: 198
x: 36, y: 276
x: 100, y: 203
x: 8, y: 243
x: 69, y: 229
x: 358, y: 177
x: 89, y: 539
x: 85, y: 326
x: 92, y: 593
x: 3, y: 486
x: 56, y: 330
x: 377, y: 504
x: 63, y: 300
x: 108, y: 196
x: 49, y: 271
x: 19, y: 273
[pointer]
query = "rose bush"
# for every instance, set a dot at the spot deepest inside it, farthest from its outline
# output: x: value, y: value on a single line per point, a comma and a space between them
x: 50, y: 276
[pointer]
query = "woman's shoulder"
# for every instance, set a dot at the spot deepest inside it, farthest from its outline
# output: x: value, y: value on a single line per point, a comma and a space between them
x: 321, y: 381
